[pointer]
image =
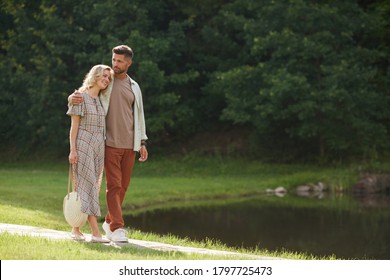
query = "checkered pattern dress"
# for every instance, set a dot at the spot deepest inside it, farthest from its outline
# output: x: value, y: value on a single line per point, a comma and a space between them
x: 90, y: 152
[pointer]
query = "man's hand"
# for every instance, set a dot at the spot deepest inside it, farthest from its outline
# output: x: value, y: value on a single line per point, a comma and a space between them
x: 75, y: 98
x: 143, y: 154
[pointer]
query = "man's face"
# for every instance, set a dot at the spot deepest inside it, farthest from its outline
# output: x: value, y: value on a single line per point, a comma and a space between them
x: 120, y: 63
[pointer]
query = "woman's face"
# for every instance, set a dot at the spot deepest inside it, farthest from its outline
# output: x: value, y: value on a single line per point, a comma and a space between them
x: 105, y: 80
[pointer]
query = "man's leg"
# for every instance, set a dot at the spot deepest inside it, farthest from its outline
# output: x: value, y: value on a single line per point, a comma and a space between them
x: 127, y: 165
x: 112, y: 165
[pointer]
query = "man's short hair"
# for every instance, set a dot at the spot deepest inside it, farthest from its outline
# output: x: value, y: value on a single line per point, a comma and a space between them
x: 125, y: 50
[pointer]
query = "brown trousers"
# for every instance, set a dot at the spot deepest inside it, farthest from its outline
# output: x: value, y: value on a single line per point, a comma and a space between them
x: 118, y: 165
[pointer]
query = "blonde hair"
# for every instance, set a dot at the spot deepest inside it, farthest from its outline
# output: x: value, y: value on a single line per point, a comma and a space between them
x: 94, y: 75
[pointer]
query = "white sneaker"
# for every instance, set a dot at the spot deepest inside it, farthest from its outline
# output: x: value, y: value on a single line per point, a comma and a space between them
x: 119, y: 235
x: 106, y: 228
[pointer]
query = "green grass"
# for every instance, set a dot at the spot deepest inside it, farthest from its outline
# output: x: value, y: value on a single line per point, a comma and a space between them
x: 31, y: 248
x: 32, y: 194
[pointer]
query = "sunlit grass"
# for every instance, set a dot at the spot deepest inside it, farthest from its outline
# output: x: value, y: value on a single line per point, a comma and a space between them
x: 35, y: 248
x: 32, y: 194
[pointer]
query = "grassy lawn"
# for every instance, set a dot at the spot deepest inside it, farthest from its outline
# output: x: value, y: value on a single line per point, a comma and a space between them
x: 32, y: 193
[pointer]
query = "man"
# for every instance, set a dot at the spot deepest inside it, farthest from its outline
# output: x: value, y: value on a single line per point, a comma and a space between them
x: 125, y: 135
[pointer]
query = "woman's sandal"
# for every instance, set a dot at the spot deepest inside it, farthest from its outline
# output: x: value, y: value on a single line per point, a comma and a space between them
x: 78, y: 236
x: 97, y: 239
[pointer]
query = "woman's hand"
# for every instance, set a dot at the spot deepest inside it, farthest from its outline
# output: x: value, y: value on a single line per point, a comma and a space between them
x: 72, y: 157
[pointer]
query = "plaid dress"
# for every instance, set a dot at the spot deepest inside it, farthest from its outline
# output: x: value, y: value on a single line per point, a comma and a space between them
x: 90, y: 152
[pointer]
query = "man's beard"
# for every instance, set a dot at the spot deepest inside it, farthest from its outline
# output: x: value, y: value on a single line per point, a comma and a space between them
x: 119, y: 71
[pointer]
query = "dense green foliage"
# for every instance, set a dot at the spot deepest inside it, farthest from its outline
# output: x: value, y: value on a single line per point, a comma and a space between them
x: 292, y: 78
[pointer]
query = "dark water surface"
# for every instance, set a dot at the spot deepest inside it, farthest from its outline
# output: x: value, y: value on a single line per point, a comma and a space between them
x: 359, y: 231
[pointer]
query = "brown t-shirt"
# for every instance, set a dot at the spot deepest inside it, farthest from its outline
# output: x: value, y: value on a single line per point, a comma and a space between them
x: 120, y: 119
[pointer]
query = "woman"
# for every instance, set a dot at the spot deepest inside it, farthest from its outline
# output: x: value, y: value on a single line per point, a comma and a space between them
x: 87, y: 133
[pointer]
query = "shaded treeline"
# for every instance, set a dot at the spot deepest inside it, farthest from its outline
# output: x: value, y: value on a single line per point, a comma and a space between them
x: 284, y: 79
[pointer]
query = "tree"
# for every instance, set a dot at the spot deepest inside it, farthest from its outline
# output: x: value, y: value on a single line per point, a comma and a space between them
x: 306, y: 77
x: 310, y: 85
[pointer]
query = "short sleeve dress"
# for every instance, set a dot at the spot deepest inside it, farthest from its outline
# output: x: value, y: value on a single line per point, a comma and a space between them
x: 90, y: 152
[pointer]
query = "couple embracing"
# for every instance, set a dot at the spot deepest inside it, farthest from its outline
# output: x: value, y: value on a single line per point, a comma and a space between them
x: 107, y: 130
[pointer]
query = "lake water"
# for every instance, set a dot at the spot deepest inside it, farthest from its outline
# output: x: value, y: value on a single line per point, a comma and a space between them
x: 348, y: 228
